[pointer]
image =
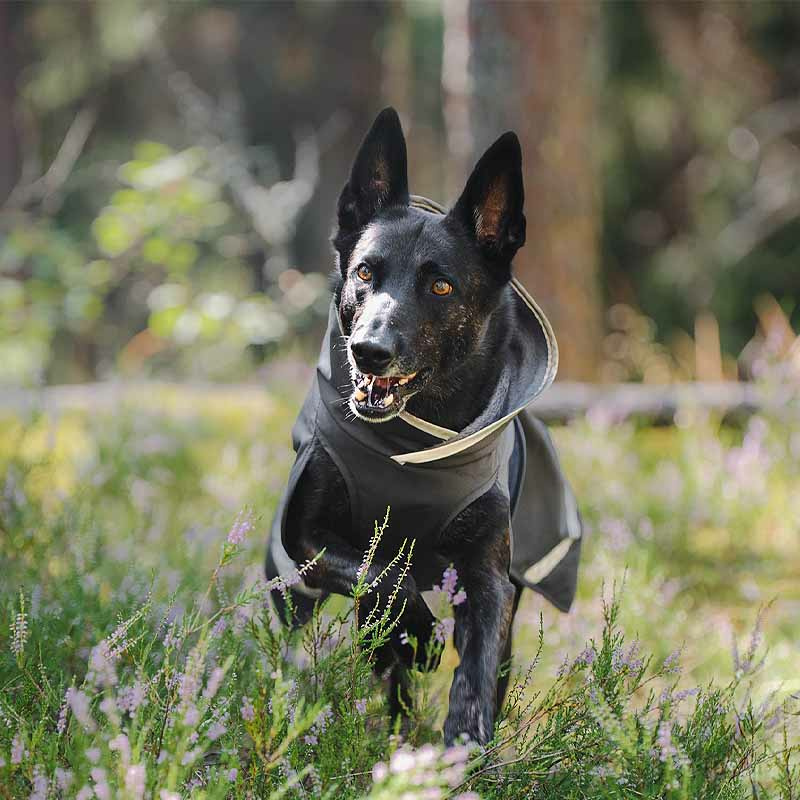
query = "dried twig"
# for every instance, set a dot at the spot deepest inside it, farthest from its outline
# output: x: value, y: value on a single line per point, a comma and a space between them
x: 44, y: 188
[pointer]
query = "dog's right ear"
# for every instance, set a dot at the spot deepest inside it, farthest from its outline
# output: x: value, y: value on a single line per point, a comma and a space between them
x: 379, y: 177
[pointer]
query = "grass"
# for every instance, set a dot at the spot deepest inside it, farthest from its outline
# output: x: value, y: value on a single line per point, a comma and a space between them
x: 138, y: 657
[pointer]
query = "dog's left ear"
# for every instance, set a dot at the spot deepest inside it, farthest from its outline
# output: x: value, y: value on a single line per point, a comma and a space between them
x: 491, y: 204
x: 379, y: 177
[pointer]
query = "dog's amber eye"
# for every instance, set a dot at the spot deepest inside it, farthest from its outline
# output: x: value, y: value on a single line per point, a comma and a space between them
x: 442, y: 287
x: 364, y: 272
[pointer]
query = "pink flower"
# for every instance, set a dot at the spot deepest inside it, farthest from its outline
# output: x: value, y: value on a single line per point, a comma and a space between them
x: 247, y: 711
x: 101, y: 787
x: 131, y: 698
x: 215, y: 730
x: 135, y: 778
x: 443, y: 630
x: 449, y: 581
x: 121, y: 744
x: 214, y: 680
x: 17, y: 748
x: 63, y: 779
x: 40, y: 785
x: 242, y: 525
x: 78, y: 701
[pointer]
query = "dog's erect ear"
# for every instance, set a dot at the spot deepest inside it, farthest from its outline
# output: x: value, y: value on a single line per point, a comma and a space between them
x: 379, y: 178
x: 491, y: 204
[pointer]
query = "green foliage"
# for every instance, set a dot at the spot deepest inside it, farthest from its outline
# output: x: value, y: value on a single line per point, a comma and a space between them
x: 137, y: 649
x: 699, y: 207
x: 162, y: 279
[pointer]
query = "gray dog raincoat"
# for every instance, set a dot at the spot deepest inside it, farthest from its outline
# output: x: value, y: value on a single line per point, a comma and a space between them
x: 428, y: 474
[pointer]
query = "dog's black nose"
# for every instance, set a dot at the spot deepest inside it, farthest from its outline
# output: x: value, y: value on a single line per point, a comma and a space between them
x: 370, y: 356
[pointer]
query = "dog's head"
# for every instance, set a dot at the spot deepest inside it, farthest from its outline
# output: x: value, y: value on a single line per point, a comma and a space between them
x: 416, y: 289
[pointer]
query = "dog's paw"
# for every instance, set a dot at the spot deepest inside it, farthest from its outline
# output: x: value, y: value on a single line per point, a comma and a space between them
x: 469, y: 718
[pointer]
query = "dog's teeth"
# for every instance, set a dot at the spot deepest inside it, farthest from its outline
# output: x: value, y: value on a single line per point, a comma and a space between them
x: 404, y: 381
x: 388, y: 400
x: 359, y: 395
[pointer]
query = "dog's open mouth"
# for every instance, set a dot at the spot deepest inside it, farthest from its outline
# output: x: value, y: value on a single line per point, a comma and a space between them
x: 380, y: 398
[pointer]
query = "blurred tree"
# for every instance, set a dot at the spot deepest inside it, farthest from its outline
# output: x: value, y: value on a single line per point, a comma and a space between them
x: 692, y: 108
x: 701, y: 167
x: 532, y: 71
x: 9, y: 144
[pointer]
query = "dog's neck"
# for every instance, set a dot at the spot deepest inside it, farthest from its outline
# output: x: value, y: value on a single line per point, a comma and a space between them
x: 470, y: 387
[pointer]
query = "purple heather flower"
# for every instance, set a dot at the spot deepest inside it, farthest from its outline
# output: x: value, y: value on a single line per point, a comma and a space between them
x: 232, y: 774
x: 242, y: 525
x: 78, y: 701
x: 323, y: 718
x: 684, y: 693
x: 17, y: 748
x: 121, y: 743
x: 215, y: 730
x: 672, y: 662
x: 101, y: 787
x: 191, y: 716
x: 401, y: 761
x: 40, y: 784
x: 664, y: 741
x: 585, y: 658
x: 191, y: 756
x: 361, y: 705
x: 449, y: 581
x: 61, y: 725
x: 135, y: 779
x: 247, y: 711
x: 130, y: 698
x: 64, y: 779
x: 101, y: 665
x: 621, y: 659
x: 214, y: 680
x: 444, y: 628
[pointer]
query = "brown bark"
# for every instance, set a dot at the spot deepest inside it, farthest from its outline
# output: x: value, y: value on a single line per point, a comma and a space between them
x: 9, y: 142
x: 531, y: 67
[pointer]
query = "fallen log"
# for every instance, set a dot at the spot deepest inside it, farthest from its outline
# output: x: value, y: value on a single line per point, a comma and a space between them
x: 562, y: 402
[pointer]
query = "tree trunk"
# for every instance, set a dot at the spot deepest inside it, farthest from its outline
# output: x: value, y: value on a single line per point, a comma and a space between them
x: 530, y: 71
x: 9, y: 143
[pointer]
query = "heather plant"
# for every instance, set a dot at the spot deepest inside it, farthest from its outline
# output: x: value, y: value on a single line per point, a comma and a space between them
x: 140, y: 657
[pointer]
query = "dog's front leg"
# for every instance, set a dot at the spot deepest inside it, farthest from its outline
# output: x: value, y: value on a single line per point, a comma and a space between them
x: 336, y: 570
x: 318, y: 526
x: 483, y: 624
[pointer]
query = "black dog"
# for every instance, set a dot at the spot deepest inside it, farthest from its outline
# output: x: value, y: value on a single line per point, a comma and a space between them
x: 432, y: 352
